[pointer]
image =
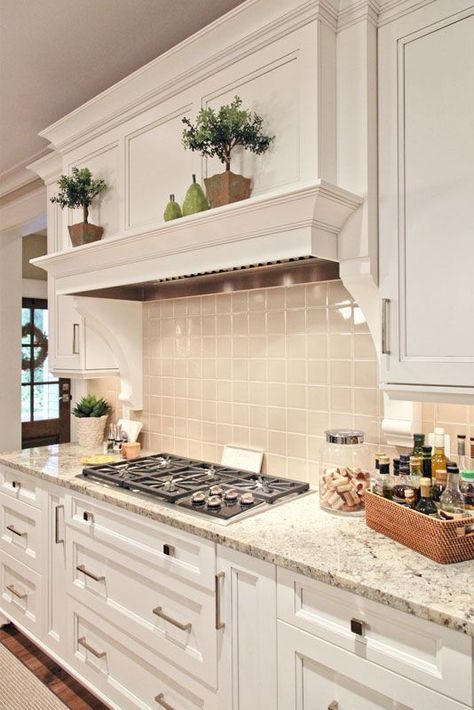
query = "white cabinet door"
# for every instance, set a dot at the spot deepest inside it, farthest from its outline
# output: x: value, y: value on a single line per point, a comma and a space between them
x: 426, y: 226
x: 56, y: 573
x: 246, y: 614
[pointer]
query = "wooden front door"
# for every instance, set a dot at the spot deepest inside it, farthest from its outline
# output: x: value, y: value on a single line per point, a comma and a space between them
x: 45, y: 399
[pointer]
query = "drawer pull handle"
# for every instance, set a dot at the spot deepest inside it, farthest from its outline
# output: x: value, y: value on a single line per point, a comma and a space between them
x: 334, y: 705
x: 16, y: 484
x: 82, y: 642
x: 358, y: 627
x: 385, y: 326
x: 159, y: 612
x: 57, y: 539
x: 13, y: 530
x: 219, y: 623
x: 168, y: 550
x: 160, y: 699
x: 88, y: 517
x: 75, y: 338
x: 82, y: 568
x: 12, y: 589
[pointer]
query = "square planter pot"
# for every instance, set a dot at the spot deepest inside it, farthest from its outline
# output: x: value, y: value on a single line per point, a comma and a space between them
x: 84, y: 233
x: 90, y: 431
x: 227, y: 187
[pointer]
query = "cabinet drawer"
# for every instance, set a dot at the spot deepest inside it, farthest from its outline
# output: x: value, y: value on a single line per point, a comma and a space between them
x: 126, y: 673
x: 422, y: 651
x: 20, y: 486
x: 173, y: 618
x: 20, y: 531
x: 179, y: 554
x: 316, y: 675
x: 21, y: 593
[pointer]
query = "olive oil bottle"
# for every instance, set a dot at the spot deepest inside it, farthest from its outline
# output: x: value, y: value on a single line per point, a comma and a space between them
x: 438, y: 459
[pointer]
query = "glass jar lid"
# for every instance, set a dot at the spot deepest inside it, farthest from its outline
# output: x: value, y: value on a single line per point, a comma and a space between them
x: 344, y: 436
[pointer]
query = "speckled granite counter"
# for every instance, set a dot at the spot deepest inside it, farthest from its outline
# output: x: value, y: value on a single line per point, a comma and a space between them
x: 340, y: 551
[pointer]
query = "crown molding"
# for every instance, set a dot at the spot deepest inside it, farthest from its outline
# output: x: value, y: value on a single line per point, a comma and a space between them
x: 18, y: 175
x: 48, y: 168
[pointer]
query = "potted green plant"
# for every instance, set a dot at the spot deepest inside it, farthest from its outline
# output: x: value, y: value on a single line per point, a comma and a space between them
x: 78, y: 190
x: 91, y: 414
x: 217, y: 133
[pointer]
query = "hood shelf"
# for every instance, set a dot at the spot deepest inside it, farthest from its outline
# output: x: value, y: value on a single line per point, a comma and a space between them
x: 278, y: 227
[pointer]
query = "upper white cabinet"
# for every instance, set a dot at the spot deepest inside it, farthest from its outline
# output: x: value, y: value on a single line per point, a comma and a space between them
x: 426, y: 207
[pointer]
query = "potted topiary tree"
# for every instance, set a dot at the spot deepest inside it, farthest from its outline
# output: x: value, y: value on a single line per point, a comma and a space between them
x: 78, y: 190
x: 91, y: 414
x: 217, y: 133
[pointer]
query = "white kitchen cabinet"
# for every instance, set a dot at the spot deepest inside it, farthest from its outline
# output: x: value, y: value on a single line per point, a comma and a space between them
x: 55, y: 613
x: 246, y: 614
x: 426, y: 215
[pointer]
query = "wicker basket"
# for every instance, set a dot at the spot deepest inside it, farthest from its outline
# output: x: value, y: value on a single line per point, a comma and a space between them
x: 443, y: 541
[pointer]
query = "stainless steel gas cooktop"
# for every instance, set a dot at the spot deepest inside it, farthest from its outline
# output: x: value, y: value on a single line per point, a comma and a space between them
x: 223, y: 493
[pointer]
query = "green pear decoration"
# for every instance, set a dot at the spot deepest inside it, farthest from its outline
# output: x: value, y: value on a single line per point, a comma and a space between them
x: 172, y: 210
x: 195, y: 200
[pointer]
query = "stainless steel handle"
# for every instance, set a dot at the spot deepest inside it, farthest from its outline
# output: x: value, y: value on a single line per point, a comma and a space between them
x: 88, y: 517
x: 11, y: 588
x: 82, y: 642
x: 57, y: 539
x: 160, y: 699
x: 75, y: 338
x: 385, y: 338
x: 219, y: 624
x: 13, y: 530
x: 82, y: 568
x: 334, y: 705
x: 16, y: 484
x: 159, y: 612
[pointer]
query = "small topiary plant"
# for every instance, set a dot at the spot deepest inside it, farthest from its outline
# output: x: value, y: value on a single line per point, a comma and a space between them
x: 78, y: 190
x: 90, y: 406
x: 217, y: 133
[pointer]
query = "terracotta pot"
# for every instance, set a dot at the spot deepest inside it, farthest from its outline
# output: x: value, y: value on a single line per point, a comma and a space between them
x: 84, y: 233
x: 227, y: 187
x: 90, y: 431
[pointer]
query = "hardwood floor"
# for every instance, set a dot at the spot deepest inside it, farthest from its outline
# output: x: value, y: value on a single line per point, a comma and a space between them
x: 64, y: 686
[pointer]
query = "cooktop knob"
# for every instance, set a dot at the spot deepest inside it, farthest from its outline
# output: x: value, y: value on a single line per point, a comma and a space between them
x: 216, y: 491
x: 198, y: 498
x: 247, y: 498
x: 231, y: 496
x: 214, y: 502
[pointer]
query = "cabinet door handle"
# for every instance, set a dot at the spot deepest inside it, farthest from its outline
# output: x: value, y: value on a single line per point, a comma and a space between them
x: 11, y: 588
x: 16, y: 484
x: 160, y: 699
x: 82, y: 642
x: 159, y: 612
x: 334, y: 705
x: 57, y: 539
x: 219, y: 623
x: 75, y: 338
x: 13, y: 530
x: 88, y: 517
x: 358, y: 627
x: 82, y: 568
x: 385, y: 324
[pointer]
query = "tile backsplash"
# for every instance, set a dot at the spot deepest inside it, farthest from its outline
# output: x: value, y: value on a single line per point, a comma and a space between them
x: 270, y: 369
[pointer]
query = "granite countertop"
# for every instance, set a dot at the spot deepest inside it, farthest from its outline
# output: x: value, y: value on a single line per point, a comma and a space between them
x: 299, y: 536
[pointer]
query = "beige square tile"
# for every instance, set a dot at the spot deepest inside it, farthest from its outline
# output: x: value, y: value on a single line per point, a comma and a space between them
x: 274, y: 465
x: 240, y: 301
x: 181, y: 407
x: 240, y: 392
x: 275, y: 322
x: 297, y: 372
x: 297, y: 469
x: 360, y: 323
x: 317, y: 295
x: 365, y: 401
x: 224, y: 324
x: 180, y: 387
x: 258, y: 346
x: 318, y: 422
x: 318, y: 398
x: 194, y: 389
x: 194, y: 306
x: 364, y: 347
x: 296, y: 346
x: 296, y: 296
x: 297, y: 421
x: 181, y: 426
x: 275, y: 298
x: 370, y: 426
x: 257, y: 300
x: 277, y: 443
x: 258, y: 370
x: 296, y: 321
x: 209, y: 411
x: 276, y: 370
x: 340, y: 319
x: 340, y: 372
x: 317, y: 320
x: 297, y: 445
x: 167, y: 308
x: 224, y: 412
x: 257, y: 323
x: 240, y: 369
x: 194, y: 325
x: 240, y: 436
x: 318, y: 372
x: 259, y: 438
x: 340, y: 346
x: 224, y: 433
x: 224, y: 303
x: 208, y: 304
x: 224, y: 391
x: 240, y: 323
x: 258, y: 393
x: 341, y: 420
x: 340, y: 399
x: 193, y: 347
x: 338, y: 295
x: 209, y: 368
x: 275, y: 394
x: 277, y: 418
x: 224, y: 368
x: 209, y: 452
x: 455, y: 413
x: 181, y: 307
x: 208, y: 325
x: 224, y: 346
x: 428, y: 411
x: 209, y: 389
x: 258, y: 417
x: 240, y: 414
x: 317, y: 344
x: 276, y: 346
x: 209, y: 347
x: 297, y: 396
x: 193, y: 367
x: 365, y: 374
x: 240, y: 346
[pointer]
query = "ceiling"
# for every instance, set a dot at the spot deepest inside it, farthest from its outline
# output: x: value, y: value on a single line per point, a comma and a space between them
x: 57, y: 54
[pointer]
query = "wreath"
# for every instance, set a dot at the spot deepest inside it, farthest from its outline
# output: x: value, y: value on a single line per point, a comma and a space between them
x: 39, y: 341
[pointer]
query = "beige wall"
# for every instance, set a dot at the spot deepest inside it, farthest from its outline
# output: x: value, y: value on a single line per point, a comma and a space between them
x: 271, y: 369
x: 34, y: 245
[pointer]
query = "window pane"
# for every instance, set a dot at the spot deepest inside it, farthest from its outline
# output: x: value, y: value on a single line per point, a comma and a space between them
x: 25, y: 319
x: 26, y: 355
x: 25, y: 404
x: 46, y: 402
x: 41, y: 319
x: 42, y: 373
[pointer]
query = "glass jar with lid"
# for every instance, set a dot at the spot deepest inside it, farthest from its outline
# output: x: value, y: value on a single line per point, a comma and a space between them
x: 344, y: 472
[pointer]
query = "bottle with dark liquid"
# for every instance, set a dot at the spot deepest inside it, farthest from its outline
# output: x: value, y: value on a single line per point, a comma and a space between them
x: 402, y: 483
x: 425, y: 505
x: 418, y: 443
x: 438, y: 487
x: 426, y: 461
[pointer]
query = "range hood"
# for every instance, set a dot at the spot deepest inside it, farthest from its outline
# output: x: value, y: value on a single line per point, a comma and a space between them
x: 274, y: 239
